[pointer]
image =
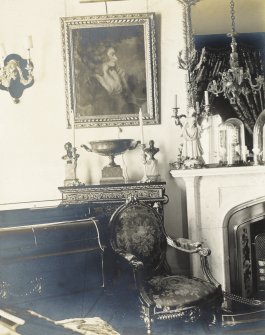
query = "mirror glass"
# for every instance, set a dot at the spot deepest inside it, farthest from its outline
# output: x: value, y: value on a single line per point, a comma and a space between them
x: 211, y: 21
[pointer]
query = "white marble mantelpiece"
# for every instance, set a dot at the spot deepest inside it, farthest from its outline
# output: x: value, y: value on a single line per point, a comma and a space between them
x: 210, y: 194
x: 220, y: 171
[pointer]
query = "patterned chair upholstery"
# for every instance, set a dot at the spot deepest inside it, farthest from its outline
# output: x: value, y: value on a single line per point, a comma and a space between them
x: 138, y: 236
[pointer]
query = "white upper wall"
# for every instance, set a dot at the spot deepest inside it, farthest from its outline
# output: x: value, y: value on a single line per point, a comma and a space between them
x: 33, y: 132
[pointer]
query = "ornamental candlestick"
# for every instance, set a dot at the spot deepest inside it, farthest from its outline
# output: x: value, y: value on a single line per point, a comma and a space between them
x: 28, y: 42
x: 206, y: 98
x: 73, y: 127
x: 176, y: 101
x: 144, y: 179
x: 141, y: 125
x: 2, y: 54
x: 197, y: 107
x: 2, y: 50
x: 28, y: 45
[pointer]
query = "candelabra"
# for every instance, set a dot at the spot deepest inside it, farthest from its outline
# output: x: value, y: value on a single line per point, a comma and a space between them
x: 190, y: 155
x: 15, y: 71
x: 178, y: 117
x: 236, y: 80
x: 192, y: 61
x: 201, y: 113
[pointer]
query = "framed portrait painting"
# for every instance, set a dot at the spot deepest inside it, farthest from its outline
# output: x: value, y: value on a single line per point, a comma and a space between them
x: 110, y: 69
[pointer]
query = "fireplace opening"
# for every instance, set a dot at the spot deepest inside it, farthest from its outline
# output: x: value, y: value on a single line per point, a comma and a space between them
x: 259, y: 246
x: 247, y: 255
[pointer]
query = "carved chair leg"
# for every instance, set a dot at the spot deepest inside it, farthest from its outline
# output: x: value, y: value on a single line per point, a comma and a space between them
x: 147, y: 319
x: 218, y: 321
x: 148, y: 325
x: 212, y: 321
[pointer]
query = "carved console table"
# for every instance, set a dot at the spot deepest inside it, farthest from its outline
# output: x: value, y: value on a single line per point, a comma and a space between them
x: 102, y: 200
x: 105, y: 198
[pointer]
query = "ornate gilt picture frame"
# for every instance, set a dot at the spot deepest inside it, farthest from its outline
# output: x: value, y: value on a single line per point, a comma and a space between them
x: 110, y: 69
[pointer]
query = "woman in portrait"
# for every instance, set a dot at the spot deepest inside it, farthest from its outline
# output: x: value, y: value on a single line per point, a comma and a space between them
x: 107, y: 88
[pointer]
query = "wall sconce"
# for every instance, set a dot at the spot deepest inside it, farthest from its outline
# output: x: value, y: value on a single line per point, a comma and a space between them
x: 15, y: 71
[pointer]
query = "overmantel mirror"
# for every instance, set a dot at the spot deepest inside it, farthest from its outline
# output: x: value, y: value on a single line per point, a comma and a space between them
x: 230, y: 48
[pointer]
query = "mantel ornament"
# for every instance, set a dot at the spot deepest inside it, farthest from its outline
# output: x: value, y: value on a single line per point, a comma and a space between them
x: 70, y: 159
x: 16, y: 72
x: 151, y: 171
x: 111, y: 173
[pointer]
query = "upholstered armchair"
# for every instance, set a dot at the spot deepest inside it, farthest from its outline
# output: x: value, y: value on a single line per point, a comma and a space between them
x: 138, y: 237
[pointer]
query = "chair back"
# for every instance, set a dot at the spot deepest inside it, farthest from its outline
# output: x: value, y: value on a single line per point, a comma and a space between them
x: 136, y: 228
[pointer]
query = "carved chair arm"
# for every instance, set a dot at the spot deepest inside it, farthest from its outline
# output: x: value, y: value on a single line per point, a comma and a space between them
x: 138, y: 274
x: 192, y: 247
x: 188, y: 246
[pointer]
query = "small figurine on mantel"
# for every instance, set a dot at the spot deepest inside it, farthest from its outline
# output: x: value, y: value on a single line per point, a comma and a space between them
x: 192, y: 150
x: 151, y: 163
x: 70, y: 158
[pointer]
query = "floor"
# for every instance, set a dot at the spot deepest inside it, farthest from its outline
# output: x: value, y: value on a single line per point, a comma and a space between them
x: 68, y: 289
x: 117, y: 305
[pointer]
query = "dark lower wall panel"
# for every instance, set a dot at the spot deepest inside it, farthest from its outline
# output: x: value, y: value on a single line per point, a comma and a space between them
x: 46, y: 256
x: 39, y: 278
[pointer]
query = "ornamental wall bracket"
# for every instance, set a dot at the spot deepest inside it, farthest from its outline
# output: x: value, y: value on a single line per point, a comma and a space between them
x: 16, y: 75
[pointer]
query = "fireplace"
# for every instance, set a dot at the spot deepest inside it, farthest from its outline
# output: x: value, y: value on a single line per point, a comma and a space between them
x: 226, y: 207
x: 246, y: 249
